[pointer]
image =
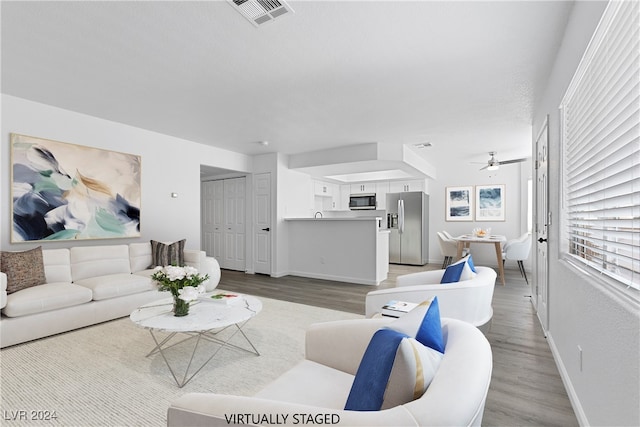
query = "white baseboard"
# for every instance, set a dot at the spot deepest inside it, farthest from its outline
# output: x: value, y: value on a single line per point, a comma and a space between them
x: 321, y: 276
x: 573, y: 396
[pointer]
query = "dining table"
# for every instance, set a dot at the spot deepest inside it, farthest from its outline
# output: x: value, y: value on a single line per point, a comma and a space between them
x: 465, y: 241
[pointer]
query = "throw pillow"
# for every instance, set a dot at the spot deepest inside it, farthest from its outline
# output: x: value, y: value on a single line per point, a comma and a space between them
x: 423, y: 324
x: 458, y: 271
x: 471, y: 264
x: 370, y: 382
x: 396, y: 367
x: 23, y: 269
x: 413, y: 370
x: 163, y: 254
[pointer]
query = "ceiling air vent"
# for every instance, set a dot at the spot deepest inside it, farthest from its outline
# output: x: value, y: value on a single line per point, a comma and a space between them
x: 259, y: 12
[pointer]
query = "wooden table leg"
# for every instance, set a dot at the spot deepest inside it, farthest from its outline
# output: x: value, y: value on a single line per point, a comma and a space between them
x: 500, y: 264
x: 460, y: 244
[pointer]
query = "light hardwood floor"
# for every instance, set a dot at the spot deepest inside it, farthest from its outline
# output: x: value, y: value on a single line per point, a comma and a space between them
x: 526, y: 388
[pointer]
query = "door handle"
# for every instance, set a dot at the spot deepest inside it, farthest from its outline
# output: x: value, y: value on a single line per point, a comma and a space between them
x: 541, y: 240
x: 266, y: 229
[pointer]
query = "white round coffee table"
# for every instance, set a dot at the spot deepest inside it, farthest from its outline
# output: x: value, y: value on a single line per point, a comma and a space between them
x: 205, y: 320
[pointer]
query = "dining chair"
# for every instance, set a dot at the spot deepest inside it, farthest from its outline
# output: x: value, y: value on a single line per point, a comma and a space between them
x: 518, y: 250
x: 448, y: 248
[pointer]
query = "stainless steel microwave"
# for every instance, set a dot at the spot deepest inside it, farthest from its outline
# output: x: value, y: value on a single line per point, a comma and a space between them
x: 362, y: 201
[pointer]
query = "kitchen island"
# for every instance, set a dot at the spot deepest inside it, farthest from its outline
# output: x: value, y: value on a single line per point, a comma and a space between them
x: 353, y: 250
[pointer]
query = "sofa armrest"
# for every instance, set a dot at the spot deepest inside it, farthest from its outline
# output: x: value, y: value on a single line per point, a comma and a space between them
x: 3, y: 290
x: 431, y: 277
x: 212, y: 268
x: 210, y: 409
x: 340, y: 344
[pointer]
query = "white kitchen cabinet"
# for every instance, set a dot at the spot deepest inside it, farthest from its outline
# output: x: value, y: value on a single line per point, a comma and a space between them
x: 367, y: 187
x: 382, y: 188
x: 345, y: 192
x: 403, y: 186
x: 326, y: 195
x: 323, y: 189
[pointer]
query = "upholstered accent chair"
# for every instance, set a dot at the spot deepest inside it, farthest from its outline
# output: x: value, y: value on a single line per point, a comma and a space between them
x: 317, y: 388
x: 518, y: 250
x: 467, y: 300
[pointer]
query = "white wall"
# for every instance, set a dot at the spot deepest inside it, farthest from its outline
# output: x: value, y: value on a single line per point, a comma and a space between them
x: 457, y: 174
x: 291, y: 197
x: 168, y: 165
x: 584, y: 311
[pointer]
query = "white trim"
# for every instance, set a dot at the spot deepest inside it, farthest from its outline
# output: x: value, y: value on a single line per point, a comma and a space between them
x: 612, y: 288
x: 566, y: 380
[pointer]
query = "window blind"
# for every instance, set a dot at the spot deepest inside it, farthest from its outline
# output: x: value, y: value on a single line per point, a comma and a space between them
x: 601, y: 149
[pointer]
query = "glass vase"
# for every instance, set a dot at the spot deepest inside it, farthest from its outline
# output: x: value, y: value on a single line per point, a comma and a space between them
x: 180, y: 307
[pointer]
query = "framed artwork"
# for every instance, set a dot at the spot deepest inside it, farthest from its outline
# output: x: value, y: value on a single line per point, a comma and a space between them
x: 62, y: 191
x: 490, y: 202
x: 459, y: 204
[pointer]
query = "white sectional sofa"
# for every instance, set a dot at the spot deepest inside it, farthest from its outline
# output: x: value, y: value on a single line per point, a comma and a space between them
x: 84, y: 286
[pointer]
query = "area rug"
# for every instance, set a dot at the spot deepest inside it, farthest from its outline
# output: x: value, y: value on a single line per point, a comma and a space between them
x: 101, y: 375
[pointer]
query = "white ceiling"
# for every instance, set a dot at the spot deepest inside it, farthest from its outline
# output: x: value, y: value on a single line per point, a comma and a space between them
x: 461, y: 75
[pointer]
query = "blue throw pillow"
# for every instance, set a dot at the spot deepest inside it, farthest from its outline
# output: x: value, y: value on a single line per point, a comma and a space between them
x: 423, y: 324
x: 400, y: 361
x: 367, y: 390
x: 453, y: 272
x: 463, y: 269
x: 470, y: 263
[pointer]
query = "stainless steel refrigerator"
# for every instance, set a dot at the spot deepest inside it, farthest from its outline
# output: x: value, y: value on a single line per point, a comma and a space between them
x: 408, y: 221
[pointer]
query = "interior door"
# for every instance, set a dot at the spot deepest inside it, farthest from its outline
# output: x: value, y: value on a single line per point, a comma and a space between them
x: 212, y: 218
x: 234, y: 224
x: 262, y: 223
x: 539, y: 286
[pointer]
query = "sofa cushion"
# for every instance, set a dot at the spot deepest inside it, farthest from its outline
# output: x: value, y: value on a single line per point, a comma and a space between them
x: 329, y: 389
x: 93, y: 261
x: 400, y: 361
x: 139, y: 256
x: 163, y: 254
x: 23, y: 269
x: 50, y: 296
x: 57, y: 265
x: 146, y: 273
x: 116, y: 285
x: 459, y: 271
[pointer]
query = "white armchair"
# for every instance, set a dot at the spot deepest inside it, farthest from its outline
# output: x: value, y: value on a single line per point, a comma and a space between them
x: 317, y: 388
x: 518, y: 250
x: 449, y: 248
x: 468, y: 300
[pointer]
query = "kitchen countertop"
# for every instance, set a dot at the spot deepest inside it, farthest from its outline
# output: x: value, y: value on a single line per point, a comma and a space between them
x: 335, y: 219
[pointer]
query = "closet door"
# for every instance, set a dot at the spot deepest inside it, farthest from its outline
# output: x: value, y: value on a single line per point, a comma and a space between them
x: 212, y: 218
x: 234, y: 224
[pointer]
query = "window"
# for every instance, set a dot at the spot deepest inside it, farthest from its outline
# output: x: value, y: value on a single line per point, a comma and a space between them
x: 601, y: 149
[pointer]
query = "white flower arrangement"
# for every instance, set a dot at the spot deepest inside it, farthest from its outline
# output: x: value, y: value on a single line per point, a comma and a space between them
x: 183, y: 282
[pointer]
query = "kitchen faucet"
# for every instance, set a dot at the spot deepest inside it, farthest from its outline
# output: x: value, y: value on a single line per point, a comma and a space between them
x: 316, y: 214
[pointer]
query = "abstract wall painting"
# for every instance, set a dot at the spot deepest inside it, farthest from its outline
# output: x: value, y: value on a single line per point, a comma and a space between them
x: 490, y: 202
x: 63, y: 191
x: 459, y: 204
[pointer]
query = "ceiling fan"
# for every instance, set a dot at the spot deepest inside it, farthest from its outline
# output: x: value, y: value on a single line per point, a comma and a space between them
x: 493, y: 163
